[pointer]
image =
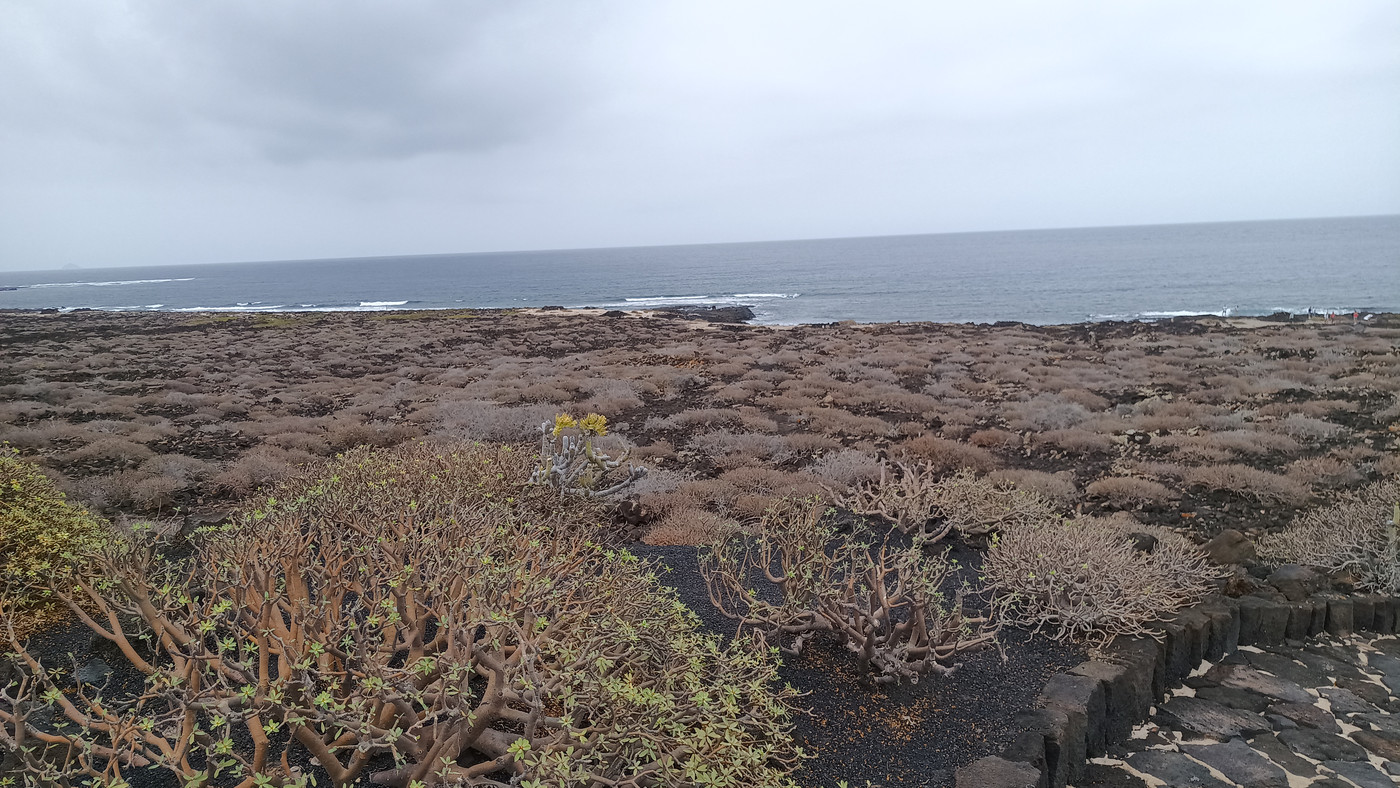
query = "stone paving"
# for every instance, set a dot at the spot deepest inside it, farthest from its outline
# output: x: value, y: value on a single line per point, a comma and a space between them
x: 1324, y: 714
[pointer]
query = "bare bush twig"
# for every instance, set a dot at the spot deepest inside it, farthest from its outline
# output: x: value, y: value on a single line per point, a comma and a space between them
x: 1086, y: 580
x: 1357, y: 533
x: 885, y: 603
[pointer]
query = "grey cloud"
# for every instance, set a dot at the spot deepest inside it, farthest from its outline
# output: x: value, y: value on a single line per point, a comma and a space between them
x: 320, y: 79
x: 153, y: 131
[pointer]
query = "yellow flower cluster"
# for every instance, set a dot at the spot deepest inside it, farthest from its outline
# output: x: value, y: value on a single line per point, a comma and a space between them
x: 592, y: 424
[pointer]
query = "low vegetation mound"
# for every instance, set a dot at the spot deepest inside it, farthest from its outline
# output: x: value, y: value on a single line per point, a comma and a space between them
x: 417, y: 617
x: 42, y: 537
x: 1094, y: 578
x: 1357, y: 534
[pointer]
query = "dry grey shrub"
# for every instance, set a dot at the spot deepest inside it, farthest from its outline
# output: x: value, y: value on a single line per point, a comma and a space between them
x: 1308, y: 429
x: 1074, y: 441
x: 1047, y: 412
x: 845, y: 468
x: 885, y: 603
x: 995, y: 439
x: 260, y: 466
x: 688, y: 525
x: 1325, y: 471
x: 1389, y: 465
x: 1260, y: 486
x: 1390, y: 412
x: 947, y: 456
x: 731, y: 449
x: 1085, y: 580
x: 1058, y: 488
x: 979, y: 506
x: 1356, y: 533
x: 1129, y: 491
x: 421, y: 613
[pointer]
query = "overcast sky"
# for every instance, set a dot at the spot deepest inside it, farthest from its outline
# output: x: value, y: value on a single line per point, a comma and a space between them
x: 170, y: 131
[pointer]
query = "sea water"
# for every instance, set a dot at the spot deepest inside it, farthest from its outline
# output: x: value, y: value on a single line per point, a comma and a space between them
x: 1034, y: 276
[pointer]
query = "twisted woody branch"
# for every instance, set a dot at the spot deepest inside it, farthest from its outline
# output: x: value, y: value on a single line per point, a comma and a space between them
x: 412, y: 605
x: 795, y: 577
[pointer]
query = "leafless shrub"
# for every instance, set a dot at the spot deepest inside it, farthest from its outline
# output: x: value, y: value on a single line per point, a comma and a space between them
x: 108, y: 492
x: 491, y: 423
x: 1389, y: 465
x: 1047, y: 412
x: 691, y: 526
x: 1326, y: 472
x: 1085, y: 580
x: 1248, y: 443
x: 807, y: 444
x: 885, y: 603
x: 1390, y: 412
x: 1075, y: 441
x: 45, y: 434
x: 729, y: 449
x: 257, y: 468
x: 1058, y: 488
x: 656, y: 450
x: 350, y: 435
x: 1357, y: 533
x: 846, y: 468
x: 1088, y: 399
x: 995, y: 439
x: 1252, y: 483
x: 1129, y: 492
x: 945, y: 456
x: 609, y: 397
x: 1316, y: 408
x: 751, y: 491
x: 838, y: 421
x: 301, y: 442
x: 110, y: 450
x: 691, y: 419
x: 155, y: 493
x: 1309, y: 430
x: 1356, y: 453
x: 979, y: 506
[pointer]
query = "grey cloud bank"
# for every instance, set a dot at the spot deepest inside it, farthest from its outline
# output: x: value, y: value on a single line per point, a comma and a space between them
x: 170, y: 132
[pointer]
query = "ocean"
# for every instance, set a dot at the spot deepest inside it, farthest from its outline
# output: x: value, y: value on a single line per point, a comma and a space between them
x: 1033, y: 276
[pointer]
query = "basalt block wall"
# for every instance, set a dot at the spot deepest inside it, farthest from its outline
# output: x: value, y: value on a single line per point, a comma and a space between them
x: 1086, y: 709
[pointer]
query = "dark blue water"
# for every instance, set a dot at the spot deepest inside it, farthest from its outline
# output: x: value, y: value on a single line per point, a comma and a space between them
x: 1036, y: 276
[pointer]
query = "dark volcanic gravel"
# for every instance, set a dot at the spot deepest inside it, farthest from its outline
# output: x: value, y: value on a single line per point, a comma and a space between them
x: 910, y: 735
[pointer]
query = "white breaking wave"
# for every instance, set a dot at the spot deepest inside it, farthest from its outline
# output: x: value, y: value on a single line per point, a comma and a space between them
x: 383, y: 303
x: 267, y: 308
x: 1165, y: 314
x: 652, y: 302
x: 668, y: 299
x: 109, y: 284
x: 1186, y: 313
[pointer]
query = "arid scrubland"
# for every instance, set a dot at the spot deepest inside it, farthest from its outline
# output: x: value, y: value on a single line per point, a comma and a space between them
x: 839, y: 511
x: 1186, y: 424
